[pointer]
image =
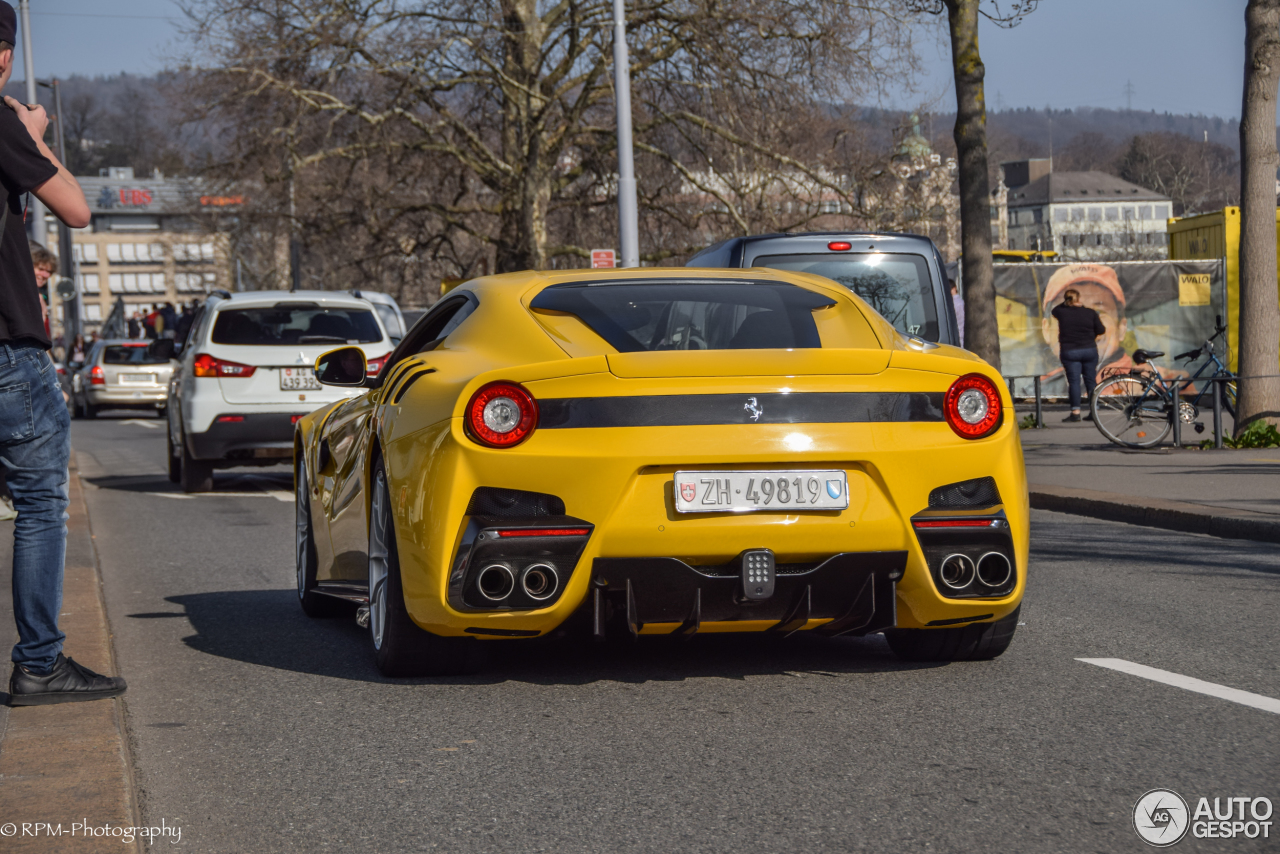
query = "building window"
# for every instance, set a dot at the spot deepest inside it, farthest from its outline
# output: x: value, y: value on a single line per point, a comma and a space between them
x: 1038, y: 215
x: 1162, y: 211
x: 92, y: 311
x: 1060, y: 215
x: 85, y: 252
x: 196, y: 252
x: 1144, y: 212
x: 1128, y: 213
x: 1077, y: 214
x: 1095, y: 214
x: 89, y: 283
x: 194, y: 282
x: 1113, y: 214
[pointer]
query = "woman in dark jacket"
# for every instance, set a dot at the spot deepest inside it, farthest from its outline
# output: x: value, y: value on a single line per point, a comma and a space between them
x: 1078, y: 331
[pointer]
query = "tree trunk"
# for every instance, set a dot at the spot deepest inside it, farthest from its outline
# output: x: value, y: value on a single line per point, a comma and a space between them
x: 1259, y: 309
x: 522, y: 243
x: 981, y: 335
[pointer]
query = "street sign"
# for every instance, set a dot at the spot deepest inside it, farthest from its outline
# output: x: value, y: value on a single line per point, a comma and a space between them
x: 66, y: 289
x: 603, y: 259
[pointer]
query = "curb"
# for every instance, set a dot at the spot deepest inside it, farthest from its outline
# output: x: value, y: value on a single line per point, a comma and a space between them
x: 1158, y: 513
x: 69, y: 763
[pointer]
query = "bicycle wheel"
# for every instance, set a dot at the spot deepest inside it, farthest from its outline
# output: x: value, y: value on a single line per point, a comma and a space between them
x: 1229, y: 393
x: 1131, y: 412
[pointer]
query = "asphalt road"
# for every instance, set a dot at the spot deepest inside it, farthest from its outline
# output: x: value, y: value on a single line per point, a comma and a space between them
x: 255, y: 728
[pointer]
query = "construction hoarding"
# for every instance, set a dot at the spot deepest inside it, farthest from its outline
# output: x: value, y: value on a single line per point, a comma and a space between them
x: 1167, y: 306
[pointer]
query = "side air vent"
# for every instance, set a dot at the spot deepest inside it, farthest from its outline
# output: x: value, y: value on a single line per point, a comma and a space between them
x: 493, y: 501
x: 979, y: 492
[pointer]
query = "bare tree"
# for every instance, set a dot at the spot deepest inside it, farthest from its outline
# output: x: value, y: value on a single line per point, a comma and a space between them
x: 1196, y: 175
x: 1259, y: 313
x: 981, y: 333
x: 478, y: 127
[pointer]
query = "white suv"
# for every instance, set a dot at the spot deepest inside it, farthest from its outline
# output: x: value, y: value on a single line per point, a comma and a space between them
x: 246, y: 376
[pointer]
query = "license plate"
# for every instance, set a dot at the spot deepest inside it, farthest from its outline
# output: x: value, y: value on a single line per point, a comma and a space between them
x: 149, y: 379
x: 295, y: 379
x: 747, y: 491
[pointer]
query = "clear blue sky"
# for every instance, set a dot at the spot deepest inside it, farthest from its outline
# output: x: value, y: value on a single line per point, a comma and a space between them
x: 1180, y: 55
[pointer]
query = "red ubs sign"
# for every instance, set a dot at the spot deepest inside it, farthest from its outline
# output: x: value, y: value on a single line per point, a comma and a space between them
x: 135, y: 197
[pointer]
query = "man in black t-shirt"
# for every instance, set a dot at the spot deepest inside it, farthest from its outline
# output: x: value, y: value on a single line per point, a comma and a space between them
x: 35, y: 431
x: 1079, y: 328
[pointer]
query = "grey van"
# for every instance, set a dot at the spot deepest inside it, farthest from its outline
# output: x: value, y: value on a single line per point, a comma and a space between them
x: 902, y: 276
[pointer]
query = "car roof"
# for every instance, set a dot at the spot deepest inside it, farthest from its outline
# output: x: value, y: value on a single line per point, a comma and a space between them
x: 250, y: 299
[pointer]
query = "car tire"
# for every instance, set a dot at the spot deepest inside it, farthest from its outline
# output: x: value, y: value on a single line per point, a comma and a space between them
x: 175, y: 459
x: 401, y: 648
x: 313, y: 604
x: 974, y: 642
x: 89, y: 411
x: 77, y: 411
x: 195, y: 475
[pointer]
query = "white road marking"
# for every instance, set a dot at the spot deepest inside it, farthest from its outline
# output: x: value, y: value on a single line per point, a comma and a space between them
x: 169, y: 494
x: 153, y: 425
x: 1177, y: 680
x: 281, y: 495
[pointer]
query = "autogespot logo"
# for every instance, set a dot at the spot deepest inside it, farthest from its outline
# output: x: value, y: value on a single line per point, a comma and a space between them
x: 1160, y: 817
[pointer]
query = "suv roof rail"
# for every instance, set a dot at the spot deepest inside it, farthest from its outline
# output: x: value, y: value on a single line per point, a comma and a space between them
x: 220, y: 294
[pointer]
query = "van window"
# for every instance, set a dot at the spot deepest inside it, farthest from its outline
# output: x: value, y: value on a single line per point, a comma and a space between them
x: 895, y: 284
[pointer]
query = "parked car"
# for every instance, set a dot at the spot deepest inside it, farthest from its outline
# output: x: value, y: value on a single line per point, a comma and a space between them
x: 663, y: 452
x: 902, y: 276
x: 246, y: 376
x: 123, y: 374
x: 388, y: 312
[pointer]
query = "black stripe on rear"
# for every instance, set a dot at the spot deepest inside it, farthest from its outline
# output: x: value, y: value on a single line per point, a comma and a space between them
x: 684, y: 410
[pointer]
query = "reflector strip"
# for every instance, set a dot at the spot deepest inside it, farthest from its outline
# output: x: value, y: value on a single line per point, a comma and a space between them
x: 546, y: 532
x: 955, y: 523
x: 224, y: 419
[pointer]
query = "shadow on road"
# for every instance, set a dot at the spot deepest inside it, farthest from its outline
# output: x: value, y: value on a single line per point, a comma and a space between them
x: 266, y: 627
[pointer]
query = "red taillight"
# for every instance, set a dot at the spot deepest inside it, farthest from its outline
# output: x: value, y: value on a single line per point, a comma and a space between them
x: 546, y: 532
x: 375, y: 365
x: 230, y: 419
x: 956, y: 523
x: 501, y: 415
x: 973, y: 407
x: 207, y: 366
x: 295, y: 419
x: 96, y: 376
x: 839, y: 246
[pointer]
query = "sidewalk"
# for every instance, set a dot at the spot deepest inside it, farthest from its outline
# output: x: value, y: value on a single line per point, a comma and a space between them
x: 1072, y: 468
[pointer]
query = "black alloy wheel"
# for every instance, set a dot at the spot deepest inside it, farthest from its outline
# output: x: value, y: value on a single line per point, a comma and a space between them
x: 400, y: 647
x: 314, y: 604
x: 195, y: 475
x: 974, y: 642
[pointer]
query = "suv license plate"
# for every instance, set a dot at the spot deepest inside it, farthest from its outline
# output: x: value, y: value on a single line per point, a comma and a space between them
x: 299, y: 379
x: 749, y: 491
x: 149, y: 379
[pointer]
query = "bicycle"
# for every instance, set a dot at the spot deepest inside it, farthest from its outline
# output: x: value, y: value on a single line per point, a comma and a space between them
x: 1135, y: 409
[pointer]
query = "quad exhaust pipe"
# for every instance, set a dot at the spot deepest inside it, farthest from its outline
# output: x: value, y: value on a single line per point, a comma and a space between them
x: 994, y: 569
x: 496, y: 582
x: 539, y: 581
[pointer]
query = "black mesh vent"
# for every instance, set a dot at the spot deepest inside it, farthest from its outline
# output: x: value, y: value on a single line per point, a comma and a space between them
x: 979, y: 492
x: 492, y: 501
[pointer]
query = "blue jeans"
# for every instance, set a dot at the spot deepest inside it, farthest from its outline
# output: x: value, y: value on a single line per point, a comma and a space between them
x: 1076, y: 362
x: 35, y: 447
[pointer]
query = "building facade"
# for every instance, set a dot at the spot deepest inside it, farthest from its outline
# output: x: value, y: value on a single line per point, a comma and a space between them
x: 1083, y: 216
x: 148, y: 243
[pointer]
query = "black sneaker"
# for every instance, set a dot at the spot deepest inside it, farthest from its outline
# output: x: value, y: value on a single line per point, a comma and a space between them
x: 1089, y: 417
x: 1075, y: 416
x: 67, y: 682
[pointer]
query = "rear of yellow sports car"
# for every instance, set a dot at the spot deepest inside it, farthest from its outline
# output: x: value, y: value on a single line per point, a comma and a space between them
x: 832, y: 476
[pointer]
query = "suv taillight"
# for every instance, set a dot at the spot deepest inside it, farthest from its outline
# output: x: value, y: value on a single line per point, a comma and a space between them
x: 96, y: 376
x: 207, y: 366
x: 375, y: 365
x: 501, y: 415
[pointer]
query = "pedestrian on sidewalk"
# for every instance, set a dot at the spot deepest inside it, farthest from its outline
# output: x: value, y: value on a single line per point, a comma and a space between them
x: 1079, y: 328
x: 35, y: 429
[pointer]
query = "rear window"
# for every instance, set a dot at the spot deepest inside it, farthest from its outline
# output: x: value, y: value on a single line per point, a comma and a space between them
x: 896, y: 285
x: 692, y: 314
x: 130, y: 354
x: 302, y: 323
